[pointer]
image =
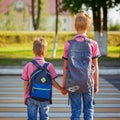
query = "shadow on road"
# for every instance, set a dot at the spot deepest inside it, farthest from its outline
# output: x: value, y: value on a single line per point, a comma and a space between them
x: 113, y: 79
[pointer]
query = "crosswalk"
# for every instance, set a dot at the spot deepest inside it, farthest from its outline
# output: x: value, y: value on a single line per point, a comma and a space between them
x: 107, y: 105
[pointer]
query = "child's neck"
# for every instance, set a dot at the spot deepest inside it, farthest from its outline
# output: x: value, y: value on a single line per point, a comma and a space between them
x: 41, y: 56
x: 81, y: 32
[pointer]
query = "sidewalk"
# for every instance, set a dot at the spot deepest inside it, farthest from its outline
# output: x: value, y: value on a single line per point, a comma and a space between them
x: 17, y: 70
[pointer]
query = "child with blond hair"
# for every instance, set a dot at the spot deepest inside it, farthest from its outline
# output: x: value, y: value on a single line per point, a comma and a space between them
x: 81, y: 64
x: 33, y: 105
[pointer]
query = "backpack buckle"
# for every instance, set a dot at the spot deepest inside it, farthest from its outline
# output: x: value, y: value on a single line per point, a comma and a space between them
x: 73, y: 89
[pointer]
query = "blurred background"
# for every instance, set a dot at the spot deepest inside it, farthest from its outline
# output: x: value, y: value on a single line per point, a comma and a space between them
x: 23, y: 20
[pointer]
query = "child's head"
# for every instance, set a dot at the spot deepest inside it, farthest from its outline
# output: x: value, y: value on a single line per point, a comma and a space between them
x: 39, y: 46
x: 82, y: 22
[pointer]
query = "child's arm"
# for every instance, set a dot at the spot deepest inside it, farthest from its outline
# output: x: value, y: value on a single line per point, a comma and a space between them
x: 25, y: 88
x: 96, y: 76
x: 57, y: 86
x: 64, y: 74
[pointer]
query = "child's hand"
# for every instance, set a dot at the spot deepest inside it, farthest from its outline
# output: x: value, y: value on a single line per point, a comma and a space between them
x: 25, y: 101
x: 96, y: 90
x: 64, y: 91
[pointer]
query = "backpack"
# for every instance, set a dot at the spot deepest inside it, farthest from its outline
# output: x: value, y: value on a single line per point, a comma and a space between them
x: 41, y: 83
x: 79, y: 76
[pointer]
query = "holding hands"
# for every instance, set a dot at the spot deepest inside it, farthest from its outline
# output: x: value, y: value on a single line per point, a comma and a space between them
x: 64, y: 91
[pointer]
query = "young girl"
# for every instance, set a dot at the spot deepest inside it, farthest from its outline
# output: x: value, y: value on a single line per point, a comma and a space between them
x: 82, y: 24
x: 33, y: 105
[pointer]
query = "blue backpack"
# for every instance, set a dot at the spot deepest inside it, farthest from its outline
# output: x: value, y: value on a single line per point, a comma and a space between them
x: 79, y: 76
x: 41, y: 83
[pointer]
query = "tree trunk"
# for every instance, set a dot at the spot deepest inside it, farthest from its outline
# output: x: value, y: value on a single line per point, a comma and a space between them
x: 105, y: 36
x: 36, y: 17
x: 56, y: 32
x: 97, y: 25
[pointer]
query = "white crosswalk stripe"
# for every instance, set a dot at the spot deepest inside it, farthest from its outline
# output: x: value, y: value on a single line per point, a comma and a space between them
x: 11, y: 101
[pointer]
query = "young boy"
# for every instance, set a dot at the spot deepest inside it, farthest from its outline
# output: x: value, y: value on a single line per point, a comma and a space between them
x: 82, y: 24
x: 39, y: 49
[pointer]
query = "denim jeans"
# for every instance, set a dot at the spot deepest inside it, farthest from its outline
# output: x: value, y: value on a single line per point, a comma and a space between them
x: 34, y: 105
x: 76, y: 105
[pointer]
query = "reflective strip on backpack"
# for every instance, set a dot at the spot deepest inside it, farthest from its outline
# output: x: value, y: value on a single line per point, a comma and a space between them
x: 40, y: 88
x: 35, y: 73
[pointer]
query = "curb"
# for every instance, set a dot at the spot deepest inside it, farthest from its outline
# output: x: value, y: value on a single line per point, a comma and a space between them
x: 102, y: 71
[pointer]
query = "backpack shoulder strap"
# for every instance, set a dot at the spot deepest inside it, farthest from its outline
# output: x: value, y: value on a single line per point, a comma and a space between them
x: 71, y: 41
x: 87, y: 40
x: 46, y: 65
x: 39, y: 66
x: 36, y: 64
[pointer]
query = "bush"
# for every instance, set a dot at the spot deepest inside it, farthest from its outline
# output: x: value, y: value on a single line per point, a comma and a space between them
x: 7, y: 38
x: 114, y: 38
x: 114, y: 27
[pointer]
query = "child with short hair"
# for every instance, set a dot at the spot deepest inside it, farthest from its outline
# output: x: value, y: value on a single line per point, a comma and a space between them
x: 82, y: 24
x: 39, y: 49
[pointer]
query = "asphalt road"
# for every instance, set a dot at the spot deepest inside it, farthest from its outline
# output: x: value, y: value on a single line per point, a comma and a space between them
x: 107, y: 105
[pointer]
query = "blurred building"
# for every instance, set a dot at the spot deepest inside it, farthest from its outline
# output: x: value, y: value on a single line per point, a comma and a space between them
x: 14, y: 12
x: 22, y: 17
x: 65, y: 18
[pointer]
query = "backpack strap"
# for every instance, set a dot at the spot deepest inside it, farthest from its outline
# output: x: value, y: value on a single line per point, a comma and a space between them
x: 36, y: 64
x: 46, y: 65
x: 71, y: 41
x: 39, y: 66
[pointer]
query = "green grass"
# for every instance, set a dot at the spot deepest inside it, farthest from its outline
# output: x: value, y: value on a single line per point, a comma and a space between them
x: 18, y: 54
x: 25, y: 51
x: 16, y: 47
x: 114, y: 51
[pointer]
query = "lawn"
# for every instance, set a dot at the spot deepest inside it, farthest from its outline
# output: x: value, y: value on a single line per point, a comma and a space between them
x: 16, y: 47
x: 19, y: 54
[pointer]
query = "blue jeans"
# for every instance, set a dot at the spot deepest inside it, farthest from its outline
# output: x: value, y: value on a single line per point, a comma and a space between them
x: 76, y: 105
x: 34, y: 105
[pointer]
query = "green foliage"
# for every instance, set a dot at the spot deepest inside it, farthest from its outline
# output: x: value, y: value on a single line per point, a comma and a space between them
x: 76, y: 5
x: 73, y: 6
x: 24, y: 40
x: 114, y: 51
x: 114, y: 38
x: 16, y: 47
x: 9, y: 20
x: 44, y: 15
x: 114, y: 27
x: 7, y: 38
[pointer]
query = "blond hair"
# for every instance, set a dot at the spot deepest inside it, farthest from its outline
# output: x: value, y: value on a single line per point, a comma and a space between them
x: 82, y: 21
x: 39, y: 46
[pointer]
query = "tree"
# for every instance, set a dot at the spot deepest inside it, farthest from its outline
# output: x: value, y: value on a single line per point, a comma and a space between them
x: 57, y: 2
x: 76, y: 6
x: 36, y: 13
x: 44, y: 15
x: 105, y: 6
x: 96, y: 6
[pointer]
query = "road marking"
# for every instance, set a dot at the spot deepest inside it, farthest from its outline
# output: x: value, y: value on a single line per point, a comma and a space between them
x: 12, y: 105
x: 60, y: 115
